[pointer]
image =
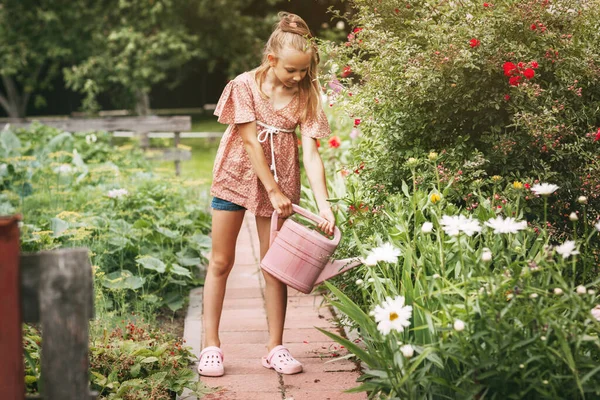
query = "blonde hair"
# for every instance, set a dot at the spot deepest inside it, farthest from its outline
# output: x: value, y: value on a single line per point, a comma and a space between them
x: 292, y: 32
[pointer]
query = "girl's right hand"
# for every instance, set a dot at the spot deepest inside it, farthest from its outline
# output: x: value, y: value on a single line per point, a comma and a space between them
x: 281, y: 204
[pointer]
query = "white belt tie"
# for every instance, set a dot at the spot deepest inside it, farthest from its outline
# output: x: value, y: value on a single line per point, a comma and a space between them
x: 267, y: 132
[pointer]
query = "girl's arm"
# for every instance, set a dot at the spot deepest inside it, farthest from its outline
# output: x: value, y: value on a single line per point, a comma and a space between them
x: 280, y: 202
x: 316, y: 177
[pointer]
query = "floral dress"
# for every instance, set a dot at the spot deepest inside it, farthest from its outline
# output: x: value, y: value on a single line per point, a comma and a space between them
x: 234, y: 178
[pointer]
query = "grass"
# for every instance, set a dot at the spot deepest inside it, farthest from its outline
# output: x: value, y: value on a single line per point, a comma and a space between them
x: 206, y: 123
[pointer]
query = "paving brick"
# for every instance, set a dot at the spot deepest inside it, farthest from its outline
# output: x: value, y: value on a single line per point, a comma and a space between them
x: 306, y: 333
x: 238, y: 303
x: 243, y: 293
x: 248, y: 338
x: 317, y: 382
x: 240, y: 383
x: 323, y: 395
x: 235, y: 395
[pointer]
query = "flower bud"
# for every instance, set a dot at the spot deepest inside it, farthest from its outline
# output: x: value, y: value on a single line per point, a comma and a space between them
x: 581, y: 289
x: 433, y: 156
x: 427, y: 227
x: 435, y: 276
x: 412, y: 162
x: 558, y: 291
x: 407, y: 350
x: 359, y: 282
x: 459, y: 325
x: 573, y: 216
x: 533, y: 296
x: 486, y: 255
x: 435, y: 198
x: 582, y: 200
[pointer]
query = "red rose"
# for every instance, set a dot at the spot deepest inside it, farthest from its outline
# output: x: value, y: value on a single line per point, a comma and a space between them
x: 356, y: 30
x: 509, y: 68
x: 335, y: 142
x: 597, y: 135
x: 347, y: 71
x: 527, y: 186
x: 486, y: 4
x: 529, y: 73
x: 521, y: 65
x: 396, y: 10
x: 514, y: 80
x: 357, y: 122
x: 474, y: 42
x: 534, y: 64
x: 533, y: 27
x: 507, y: 97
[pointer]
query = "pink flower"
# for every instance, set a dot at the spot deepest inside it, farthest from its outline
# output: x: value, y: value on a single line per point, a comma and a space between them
x: 474, y: 43
x: 507, y: 97
x: 335, y: 142
x: 335, y: 85
x: 354, y: 133
x: 597, y: 137
x: 534, y: 64
x: 529, y: 73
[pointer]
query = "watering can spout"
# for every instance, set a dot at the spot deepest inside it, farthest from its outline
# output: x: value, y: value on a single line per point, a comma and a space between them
x: 336, y: 267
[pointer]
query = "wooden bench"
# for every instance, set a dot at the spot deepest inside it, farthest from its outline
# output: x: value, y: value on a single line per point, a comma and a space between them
x: 140, y: 126
x: 53, y: 288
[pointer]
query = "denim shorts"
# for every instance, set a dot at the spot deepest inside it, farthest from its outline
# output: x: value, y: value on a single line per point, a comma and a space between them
x: 224, y: 205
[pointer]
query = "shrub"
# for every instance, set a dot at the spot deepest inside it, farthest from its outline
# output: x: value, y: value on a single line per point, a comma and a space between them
x: 512, y: 86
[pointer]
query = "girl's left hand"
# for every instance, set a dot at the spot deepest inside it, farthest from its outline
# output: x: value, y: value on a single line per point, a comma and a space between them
x: 329, y: 223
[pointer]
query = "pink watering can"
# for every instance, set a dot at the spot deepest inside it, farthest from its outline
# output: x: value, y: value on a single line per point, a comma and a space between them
x: 300, y: 256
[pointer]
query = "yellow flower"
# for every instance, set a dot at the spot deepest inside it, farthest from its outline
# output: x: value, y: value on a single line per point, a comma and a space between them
x: 40, y: 233
x: 434, y: 198
x: 433, y: 156
x: 412, y: 161
x: 517, y: 185
x: 496, y: 178
x: 69, y: 216
x: 184, y: 147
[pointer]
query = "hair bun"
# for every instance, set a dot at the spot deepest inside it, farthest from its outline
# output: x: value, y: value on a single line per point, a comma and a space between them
x: 292, y: 23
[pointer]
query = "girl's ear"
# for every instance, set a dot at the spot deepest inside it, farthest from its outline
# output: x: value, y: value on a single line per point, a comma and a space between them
x: 272, y: 60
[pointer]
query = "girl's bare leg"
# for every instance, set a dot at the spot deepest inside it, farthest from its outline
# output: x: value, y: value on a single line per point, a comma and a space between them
x: 225, y: 229
x: 275, y: 291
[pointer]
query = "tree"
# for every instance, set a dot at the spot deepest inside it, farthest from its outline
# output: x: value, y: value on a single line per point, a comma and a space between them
x: 36, y: 36
x: 135, y: 44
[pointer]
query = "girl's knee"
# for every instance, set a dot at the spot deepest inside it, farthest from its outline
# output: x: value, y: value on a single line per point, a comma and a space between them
x: 220, y: 266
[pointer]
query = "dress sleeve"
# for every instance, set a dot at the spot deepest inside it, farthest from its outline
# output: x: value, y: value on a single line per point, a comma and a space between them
x: 316, y: 128
x: 236, y: 105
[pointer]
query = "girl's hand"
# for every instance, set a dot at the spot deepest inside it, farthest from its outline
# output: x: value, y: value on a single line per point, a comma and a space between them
x: 281, y: 203
x: 329, y: 223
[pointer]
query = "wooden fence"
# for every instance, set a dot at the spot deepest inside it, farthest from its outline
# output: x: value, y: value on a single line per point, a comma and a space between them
x: 53, y: 288
x: 174, y: 127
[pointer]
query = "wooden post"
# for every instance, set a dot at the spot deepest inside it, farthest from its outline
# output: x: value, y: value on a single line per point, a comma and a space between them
x: 176, y: 139
x: 65, y: 288
x: 12, y: 376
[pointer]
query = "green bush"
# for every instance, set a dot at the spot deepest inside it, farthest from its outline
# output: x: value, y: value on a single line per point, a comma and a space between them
x: 433, y: 75
x: 146, y: 233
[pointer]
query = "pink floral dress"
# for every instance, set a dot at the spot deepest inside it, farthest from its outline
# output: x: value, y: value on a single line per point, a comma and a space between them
x: 233, y: 176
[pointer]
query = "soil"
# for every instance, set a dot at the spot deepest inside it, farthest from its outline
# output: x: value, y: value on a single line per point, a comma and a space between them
x: 170, y: 322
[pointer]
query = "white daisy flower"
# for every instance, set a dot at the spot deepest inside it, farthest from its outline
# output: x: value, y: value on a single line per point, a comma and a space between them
x: 486, y: 255
x: 63, y: 169
x: 386, y: 253
x: 581, y: 289
x: 453, y: 225
x: 544, y: 189
x: 117, y: 193
x: 392, y: 314
x: 567, y: 249
x: 508, y: 225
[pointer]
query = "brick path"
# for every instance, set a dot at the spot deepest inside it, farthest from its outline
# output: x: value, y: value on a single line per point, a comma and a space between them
x: 243, y: 333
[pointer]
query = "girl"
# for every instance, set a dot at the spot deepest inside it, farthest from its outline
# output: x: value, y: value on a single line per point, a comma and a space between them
x: 257, y: 169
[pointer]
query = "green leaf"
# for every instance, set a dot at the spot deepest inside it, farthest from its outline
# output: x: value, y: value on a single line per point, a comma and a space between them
x: 58, y: 226
x: 120, y: 280
x: 176, y: 269
x: 152, y: 263
x: 149, y: 360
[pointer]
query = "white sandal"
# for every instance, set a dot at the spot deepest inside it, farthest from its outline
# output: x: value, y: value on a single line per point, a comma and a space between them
x: 211, y: 362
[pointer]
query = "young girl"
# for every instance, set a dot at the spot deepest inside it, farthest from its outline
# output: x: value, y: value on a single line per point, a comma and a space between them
x: 257, y: 169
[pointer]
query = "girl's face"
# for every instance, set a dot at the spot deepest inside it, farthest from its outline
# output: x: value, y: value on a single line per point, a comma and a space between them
x: 291, y: 66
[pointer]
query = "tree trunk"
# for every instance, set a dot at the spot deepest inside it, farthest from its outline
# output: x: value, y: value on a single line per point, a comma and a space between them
x: 142, y: 105
x: 13, y: 103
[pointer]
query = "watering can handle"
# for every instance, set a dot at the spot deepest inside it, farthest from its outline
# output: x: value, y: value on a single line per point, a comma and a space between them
x: 337, y: 235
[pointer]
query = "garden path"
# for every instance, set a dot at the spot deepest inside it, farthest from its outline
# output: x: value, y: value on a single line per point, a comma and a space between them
x: 244, y: 334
